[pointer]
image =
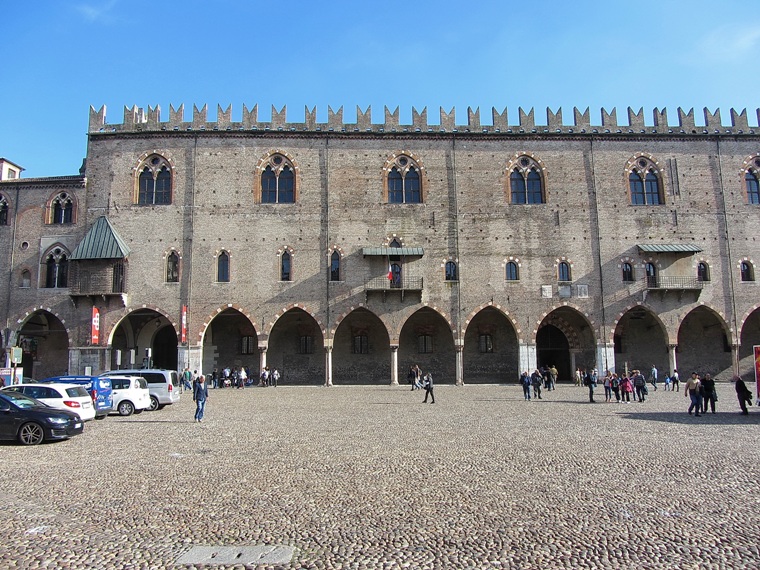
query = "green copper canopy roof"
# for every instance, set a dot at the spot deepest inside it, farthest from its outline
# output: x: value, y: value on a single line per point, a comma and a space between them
x: 101, y: 242
x: 392, y: 251
x: 669, y: 248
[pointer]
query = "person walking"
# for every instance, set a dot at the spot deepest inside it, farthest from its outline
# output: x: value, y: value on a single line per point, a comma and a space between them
x: 608, y: 387
x: 627, y: 388
x: 640, y: 383
x: 743, y: 394
x: 428, y: 385
x: 274, y: 377
x: 692, y: 390
x: 615, y: 386
x: 200, y: 395
x: 525, y: 383
x: 536, y: 379
x: 674, y: 380
x: 591, y: 383
x: 653, y: 377
x: 709, y: 395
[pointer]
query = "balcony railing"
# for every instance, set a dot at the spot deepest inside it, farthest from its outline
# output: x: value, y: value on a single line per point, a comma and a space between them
x: 665, y: 282
x: 406, y: 283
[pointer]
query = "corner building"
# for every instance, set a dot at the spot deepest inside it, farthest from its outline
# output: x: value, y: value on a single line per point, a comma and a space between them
x: 344, y: 253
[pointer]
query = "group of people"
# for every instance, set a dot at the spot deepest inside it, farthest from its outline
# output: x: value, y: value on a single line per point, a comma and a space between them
x: 419, y: 381
x: 545, y: 377
x: 700, y: 389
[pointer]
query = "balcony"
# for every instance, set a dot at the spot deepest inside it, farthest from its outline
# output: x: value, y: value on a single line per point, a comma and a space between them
x: 383, y: 284
x: 667, y: 283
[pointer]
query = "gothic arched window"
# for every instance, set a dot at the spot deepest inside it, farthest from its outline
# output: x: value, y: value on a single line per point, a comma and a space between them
x: 56, y: 269
x: 155, y: 181
x: 278, y: 181
x: 404, y: 182
x: 172, y: 268
x: 223, y: 267
x: 335, y: 266
x: 627, y: 272
x: 645, y: 184
x: 526, y: 183
x: 62, y: 209
x: 513, y: 273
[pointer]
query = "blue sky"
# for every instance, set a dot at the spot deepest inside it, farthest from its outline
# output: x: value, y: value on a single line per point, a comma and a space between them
x: 61, y: 56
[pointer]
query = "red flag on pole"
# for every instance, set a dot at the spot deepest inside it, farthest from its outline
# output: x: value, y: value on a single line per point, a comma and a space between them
x: 390, y: 272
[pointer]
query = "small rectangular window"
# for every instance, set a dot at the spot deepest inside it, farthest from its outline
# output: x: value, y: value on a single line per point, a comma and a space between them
x: 248, y: 345
x: 485, y: 343
x: 306, y: 345
x: 425, y: 344
x: 361, y: 344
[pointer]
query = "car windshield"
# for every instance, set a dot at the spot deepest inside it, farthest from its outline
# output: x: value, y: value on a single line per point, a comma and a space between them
x: 22, y: 401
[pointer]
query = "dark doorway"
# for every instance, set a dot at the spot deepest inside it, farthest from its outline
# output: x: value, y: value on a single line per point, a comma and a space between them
x: 165, y: 349
x: 553, y: 349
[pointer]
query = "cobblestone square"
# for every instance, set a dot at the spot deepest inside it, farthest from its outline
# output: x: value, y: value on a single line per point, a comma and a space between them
x: 369, y: 477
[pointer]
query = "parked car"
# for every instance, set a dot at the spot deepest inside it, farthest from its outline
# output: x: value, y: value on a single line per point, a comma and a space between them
x: 130, y: 394
x: 71, y: 397
x: 30, y: 422
x: 162, y: 384
x: 98, y: 388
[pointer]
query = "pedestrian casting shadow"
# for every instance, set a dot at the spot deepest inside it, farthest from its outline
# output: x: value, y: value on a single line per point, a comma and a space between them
x: 721, y: 418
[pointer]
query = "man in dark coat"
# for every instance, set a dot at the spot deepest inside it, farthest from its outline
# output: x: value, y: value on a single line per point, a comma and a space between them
x: 743, y: 394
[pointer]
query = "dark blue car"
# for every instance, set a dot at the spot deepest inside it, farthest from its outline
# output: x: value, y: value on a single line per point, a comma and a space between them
x: 30, y: 422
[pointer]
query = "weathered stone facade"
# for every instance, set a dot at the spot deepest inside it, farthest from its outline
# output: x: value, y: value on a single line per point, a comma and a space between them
x: 306, y: 288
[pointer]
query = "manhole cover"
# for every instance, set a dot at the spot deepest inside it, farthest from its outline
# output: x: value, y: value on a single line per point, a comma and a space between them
x: 272, y: 554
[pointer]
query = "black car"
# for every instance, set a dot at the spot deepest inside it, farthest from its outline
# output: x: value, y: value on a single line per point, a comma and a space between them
x: 31, y: 422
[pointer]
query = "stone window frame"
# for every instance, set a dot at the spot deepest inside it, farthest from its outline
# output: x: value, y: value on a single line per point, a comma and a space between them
x: 706, y: 275
x: 621, y: 266
x: 154, y: 160
x: 277, y: 160
x: 558, y: 264
x: 330, y: 253
x: 280, y: 260
x: 178, y: 269
x: 446, y: 266
x: 25, y: 278
x: 642, y: 164
x: 5, y: 210
x: 61, y: 197
x: 523, y: 163
x: 505, y: 264
x: 403, y: 161
x: 217, y: 257
x: 60, y: 256
x: 750, y: 172
x: 749, y: 273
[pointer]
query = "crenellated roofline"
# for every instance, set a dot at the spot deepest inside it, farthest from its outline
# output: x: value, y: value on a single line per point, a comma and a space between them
x: 137, y: 120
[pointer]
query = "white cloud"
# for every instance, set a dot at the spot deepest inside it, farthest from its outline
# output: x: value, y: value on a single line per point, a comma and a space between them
x: 97, y: 12
x: 731, y: 44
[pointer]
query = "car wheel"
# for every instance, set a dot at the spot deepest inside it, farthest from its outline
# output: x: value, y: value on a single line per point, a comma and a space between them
x: 31, y: 434
x: 154, y: 405
x: 126, y: 408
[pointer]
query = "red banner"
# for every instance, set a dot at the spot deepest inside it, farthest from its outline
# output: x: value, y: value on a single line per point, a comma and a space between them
x: 757, y: 371
x: 95, y: 326
x: 184, y: 324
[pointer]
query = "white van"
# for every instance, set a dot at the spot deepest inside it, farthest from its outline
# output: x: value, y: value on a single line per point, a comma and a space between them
x: 130, y: 394
x: 163, y: 385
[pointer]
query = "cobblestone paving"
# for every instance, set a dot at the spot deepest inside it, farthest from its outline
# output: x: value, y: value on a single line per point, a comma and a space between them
x: 369, y: 477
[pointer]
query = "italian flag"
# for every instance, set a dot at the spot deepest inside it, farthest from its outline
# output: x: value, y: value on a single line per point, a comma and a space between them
x: 390, y: 272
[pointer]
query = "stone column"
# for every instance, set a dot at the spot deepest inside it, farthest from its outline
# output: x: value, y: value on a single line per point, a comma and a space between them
x: 605, y: 358
x: 735, y: 358
x: 328, y: 363
x: 459, y: 347
x: 394, y: 365
x: 262, y: 356
x: 528, y: 358
x: 672, y: 362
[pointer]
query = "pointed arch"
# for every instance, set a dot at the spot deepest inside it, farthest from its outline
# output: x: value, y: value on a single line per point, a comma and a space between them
x: 646, y: 180
x: 276, y: 179
x: 154, y: 180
